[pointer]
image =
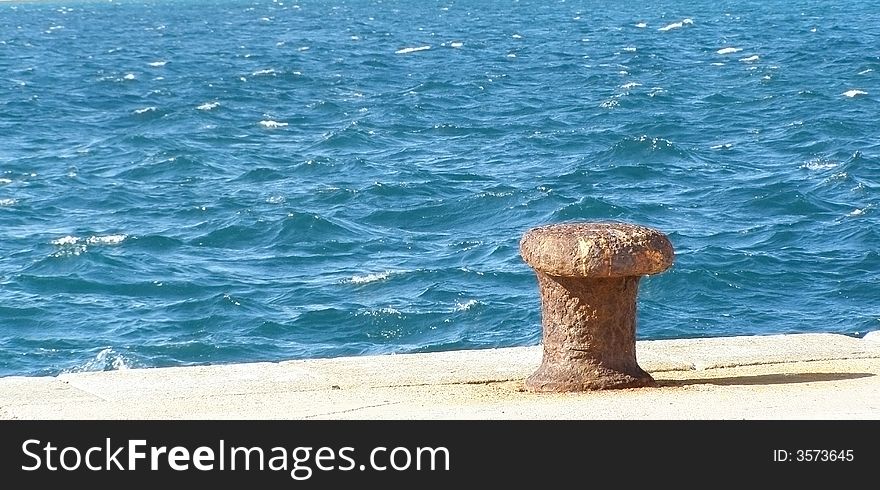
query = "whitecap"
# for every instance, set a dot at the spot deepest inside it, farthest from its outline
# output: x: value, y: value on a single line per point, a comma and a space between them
x: 105, y: 360
x: 128, y: 76
x: 267, y: 71
x: 819, y: 164
x: 750, y: 58
x: 669, y: 27
x: 676, y: 25
x: 67, y: 240
x: 8, y: 202
x: 145, y: 110
x: 5, y: 181
x: 412, y: 50
x: 516, y: 36
x: 92, y: 240
x: 857, y: 212
x: 723, y: 146
x: 865, y: 72
x: 272, y: 124
x: 609, y: 103
x: 466, y: 305
x: 511, y: 55
x: 853, y: 93
x: 630, y: 85
x: 157, y: 63
x: 368, y: 278
x: 728, y: 50
x: 106, y: 239
x: 456, y: 44
x: 641, y: 25
x: 276, y: 199
x: 630, y: 49
x: 207, y: 106
x: 303, y: 48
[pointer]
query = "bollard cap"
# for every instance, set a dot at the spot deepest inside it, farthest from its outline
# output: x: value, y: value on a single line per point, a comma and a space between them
x: 596, y: 249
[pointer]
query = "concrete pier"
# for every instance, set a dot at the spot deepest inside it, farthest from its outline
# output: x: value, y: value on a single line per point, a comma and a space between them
x: 801, y: 376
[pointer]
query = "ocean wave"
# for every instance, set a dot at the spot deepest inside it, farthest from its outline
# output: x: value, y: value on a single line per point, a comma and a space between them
x: 467, y: 305
x: 644, y: 146
x: 270, y: 124
x: 676, y: 25
x: 91, y: 240
x: 412, y: 50
x: 207, y: 106
x: 368, y: 278
x: 854, y: 93
x: 105, y: 360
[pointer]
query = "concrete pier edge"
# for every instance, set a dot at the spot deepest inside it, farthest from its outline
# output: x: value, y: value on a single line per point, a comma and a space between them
x: 792, y: 376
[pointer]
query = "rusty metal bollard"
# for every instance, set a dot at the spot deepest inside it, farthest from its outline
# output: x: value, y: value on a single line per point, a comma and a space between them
x: 588, y: 276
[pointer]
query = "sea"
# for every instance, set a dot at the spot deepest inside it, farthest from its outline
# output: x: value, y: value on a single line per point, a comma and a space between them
x: 191, y: 182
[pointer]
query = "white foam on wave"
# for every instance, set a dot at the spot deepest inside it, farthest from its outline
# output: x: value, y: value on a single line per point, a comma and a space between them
x: 630, y: 49
x: 676, y: 25
x: 272, y: 124
x: 854, y: 93
x: 207, y: 106
x: 106, y: 239
x: 466, y: 305
x: 106, y: 360
x: 857, y: 212
x: 412, y: 50
x: 145, y: 110
x: 456, y: 44
x: 627, y: 86
x: 641, y: 25
x: 610, y: 103
x: 723, y: 146
x: 865, y: 72
x: 750, y: 59
x: 157, y: 64
x: 819, y: 164
x: 728, y: 50
x: 92, y: 240
x: 68, y: 240
x: 129, y: 76
x: 276, y: 199
x: 516, y: 36
x: 8, y: 202
x: 368, y: 278
x: 267, y: 71
x: 5, y: 181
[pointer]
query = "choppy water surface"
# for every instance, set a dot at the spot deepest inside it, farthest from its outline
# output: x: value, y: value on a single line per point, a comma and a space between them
x: 187, y: 182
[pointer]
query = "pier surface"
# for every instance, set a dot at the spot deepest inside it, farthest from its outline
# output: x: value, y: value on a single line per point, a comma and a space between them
x: 798, y: 376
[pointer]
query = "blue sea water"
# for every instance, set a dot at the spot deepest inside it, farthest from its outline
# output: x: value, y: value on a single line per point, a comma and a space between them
x: 191, y: 182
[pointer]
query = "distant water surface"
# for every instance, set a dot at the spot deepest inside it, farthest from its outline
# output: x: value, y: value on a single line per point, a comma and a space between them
x: 193, y: 182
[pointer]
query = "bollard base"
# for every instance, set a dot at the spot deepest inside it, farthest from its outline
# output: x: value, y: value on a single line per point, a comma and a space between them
x: 586, y: 378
